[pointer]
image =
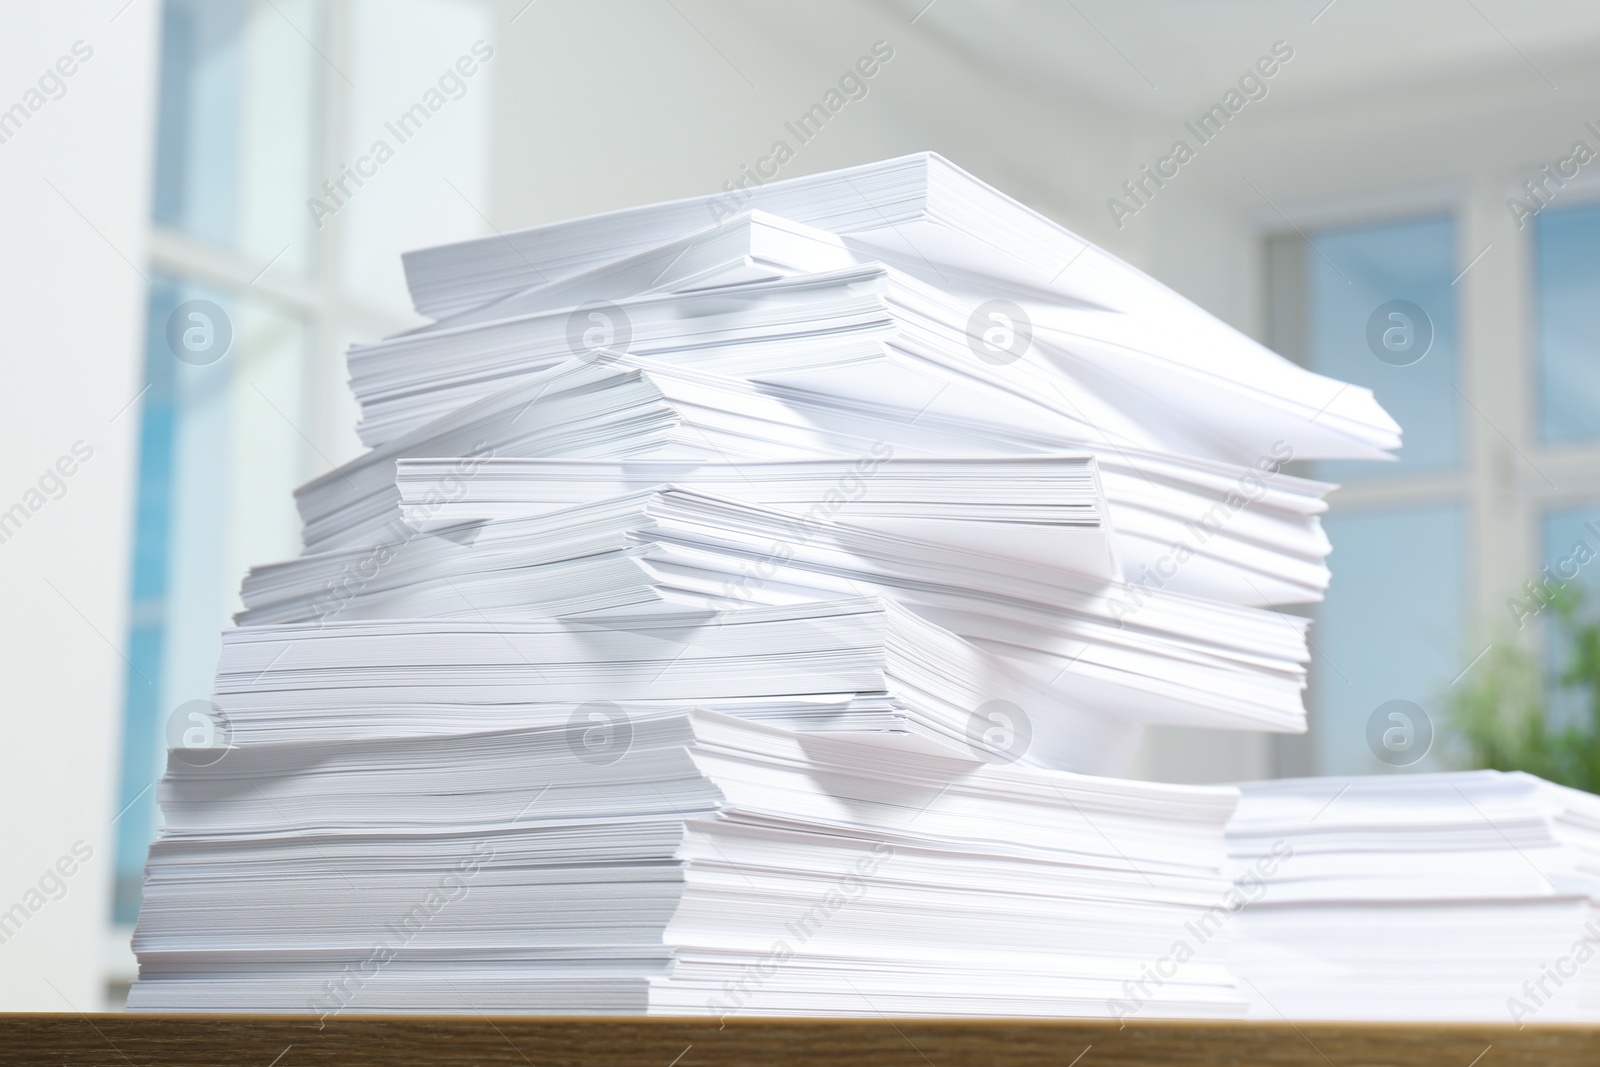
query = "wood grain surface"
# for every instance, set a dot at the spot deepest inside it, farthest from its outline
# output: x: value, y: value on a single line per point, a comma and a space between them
x: 482, y: 1041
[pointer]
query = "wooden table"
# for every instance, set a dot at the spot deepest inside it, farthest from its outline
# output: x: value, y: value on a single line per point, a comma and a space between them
x: 67, y: 1040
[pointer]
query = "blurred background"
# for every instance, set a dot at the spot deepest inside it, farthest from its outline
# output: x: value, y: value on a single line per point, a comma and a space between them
x: 155, y: 152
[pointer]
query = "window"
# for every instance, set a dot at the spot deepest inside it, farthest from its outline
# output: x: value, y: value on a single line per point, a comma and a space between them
x: 219, y: 456
x: 1567, y: 316
x: 1426, y: 551
x: 1566, y: 319
x: 219, y: 444
x: 1571, y: 536
x: 1360, y: 281
x: 1375, y: 305
x: 1391, y: 627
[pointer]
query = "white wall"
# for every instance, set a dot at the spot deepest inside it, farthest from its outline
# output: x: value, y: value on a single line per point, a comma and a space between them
x: 72, y: 249
x: 606, y: 106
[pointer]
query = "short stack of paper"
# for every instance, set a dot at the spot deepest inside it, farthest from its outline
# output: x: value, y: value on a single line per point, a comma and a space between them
x: 688, y: 862
x: 749, y: 614
x: 1467, y: 895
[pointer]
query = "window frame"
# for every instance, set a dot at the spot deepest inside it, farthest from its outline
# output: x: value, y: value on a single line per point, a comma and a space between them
x: 1510, y: 479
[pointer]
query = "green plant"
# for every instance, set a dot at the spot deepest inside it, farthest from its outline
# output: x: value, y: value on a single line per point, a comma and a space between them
x: 1502, y: 715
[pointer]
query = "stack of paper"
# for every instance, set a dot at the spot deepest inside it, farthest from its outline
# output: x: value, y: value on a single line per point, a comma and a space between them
x: 1245, y: 535
x: 1466, y: 895
x: 701, y: 864
x: 1175, y: 659
x: 926, y: 217
x: 889, y: 670
x: 752, y: 615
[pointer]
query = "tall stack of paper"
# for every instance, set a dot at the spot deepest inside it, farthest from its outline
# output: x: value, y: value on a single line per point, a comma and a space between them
x: 747, y: 614
x: 1466, y: 895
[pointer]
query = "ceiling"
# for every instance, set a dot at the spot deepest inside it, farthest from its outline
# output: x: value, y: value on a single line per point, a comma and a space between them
x: 1172, y: 59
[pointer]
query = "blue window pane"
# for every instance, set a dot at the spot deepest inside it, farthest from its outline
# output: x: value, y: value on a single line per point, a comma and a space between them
x: 141, y: 715
x: 149, y: 696
x: 141, y: 755
x: 220, y: 453
x: 238, y: 121
x: 1571, y: 556
x: 1569, y: 536
x: 1567, y: 311
x: 1352, y: 274
x: 197, y: 140
x: 1390, y: 629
